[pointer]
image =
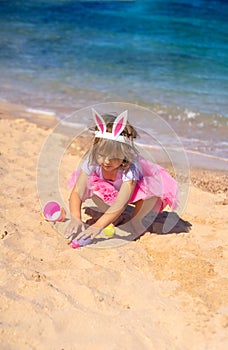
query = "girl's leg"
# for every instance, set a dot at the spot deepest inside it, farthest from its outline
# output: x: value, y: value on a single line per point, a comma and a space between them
x: 102, y: 206
x: 138, y: 206
x: 142, y: 208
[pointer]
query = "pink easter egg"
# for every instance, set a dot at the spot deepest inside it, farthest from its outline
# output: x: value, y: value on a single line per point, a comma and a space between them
x: 54, y: 212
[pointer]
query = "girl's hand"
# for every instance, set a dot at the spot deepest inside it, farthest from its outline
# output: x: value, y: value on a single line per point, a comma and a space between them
x: 91, y: 232
x: 74, y: 227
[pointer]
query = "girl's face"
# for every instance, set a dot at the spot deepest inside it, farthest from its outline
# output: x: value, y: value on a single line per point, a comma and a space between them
x: 109, y: 162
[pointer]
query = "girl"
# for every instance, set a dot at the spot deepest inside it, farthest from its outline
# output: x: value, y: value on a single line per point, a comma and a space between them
x: 114, y: 175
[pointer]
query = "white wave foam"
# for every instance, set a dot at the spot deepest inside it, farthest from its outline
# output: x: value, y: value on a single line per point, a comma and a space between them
x: 40, y: 111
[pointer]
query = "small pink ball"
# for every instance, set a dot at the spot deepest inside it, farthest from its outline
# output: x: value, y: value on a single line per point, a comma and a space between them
x: 74, y: 244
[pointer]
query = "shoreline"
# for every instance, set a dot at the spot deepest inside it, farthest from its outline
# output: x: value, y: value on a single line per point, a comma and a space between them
x: 48, y: 121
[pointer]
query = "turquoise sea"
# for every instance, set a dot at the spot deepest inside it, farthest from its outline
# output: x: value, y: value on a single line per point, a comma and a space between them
x: 171, y: 56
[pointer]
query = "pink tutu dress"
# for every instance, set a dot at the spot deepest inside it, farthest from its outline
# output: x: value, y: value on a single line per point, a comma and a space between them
x: 152, y: 181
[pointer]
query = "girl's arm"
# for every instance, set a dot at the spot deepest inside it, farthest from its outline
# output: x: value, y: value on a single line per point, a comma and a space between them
x: 118, y: 207
x: 75, y: 204
x: 77, y: 195
x: 113, y: 211
x: 75, y: 225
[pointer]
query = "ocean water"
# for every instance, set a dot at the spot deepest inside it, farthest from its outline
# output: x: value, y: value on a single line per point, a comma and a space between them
x: 170, y: 56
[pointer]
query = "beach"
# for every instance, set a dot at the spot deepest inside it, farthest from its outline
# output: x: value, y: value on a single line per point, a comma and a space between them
x: 166, y: 63
x: 162, y: 291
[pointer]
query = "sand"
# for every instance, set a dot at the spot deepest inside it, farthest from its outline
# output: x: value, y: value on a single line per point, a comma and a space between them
x: 159, y: 292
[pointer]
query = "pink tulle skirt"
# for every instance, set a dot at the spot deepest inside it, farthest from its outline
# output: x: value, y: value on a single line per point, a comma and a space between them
x: 155, y: 182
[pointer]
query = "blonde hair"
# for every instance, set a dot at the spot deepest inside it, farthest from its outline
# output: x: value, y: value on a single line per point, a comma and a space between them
x: 125, y: 151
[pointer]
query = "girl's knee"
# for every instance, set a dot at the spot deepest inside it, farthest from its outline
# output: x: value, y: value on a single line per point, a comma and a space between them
x: 151, y: 204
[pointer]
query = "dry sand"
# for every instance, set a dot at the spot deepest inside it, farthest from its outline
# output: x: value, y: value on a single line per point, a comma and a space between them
x: 159, y: 292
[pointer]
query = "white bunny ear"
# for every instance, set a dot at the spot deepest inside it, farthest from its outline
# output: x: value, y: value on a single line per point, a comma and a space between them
x: 99, y: 121
x: 119, y: 124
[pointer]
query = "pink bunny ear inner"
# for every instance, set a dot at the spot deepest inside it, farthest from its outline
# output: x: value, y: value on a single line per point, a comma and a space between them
x: 99, y: 121
x: 100, y: 124
x: 120, y: 124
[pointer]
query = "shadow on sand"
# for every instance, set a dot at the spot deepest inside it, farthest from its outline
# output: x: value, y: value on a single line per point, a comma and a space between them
x: 162, y: 223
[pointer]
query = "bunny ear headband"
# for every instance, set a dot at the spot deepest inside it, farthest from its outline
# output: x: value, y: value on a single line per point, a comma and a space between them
x: 118, y: 126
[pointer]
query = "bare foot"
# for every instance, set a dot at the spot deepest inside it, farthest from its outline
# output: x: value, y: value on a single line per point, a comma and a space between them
x: 135, y: 228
